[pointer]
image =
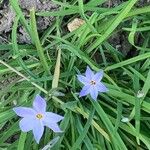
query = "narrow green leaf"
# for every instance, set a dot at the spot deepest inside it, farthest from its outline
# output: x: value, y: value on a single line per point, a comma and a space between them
x: 22, y: 141
x: 37, y: 41
x: 57, y: 70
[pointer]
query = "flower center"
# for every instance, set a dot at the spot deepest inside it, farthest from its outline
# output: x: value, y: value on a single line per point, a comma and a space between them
x: 92, y: 82
x: 39, y: 116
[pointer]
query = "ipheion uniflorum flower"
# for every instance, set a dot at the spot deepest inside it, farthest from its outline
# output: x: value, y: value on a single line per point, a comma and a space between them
x: 36, y: 118
x: 92, y: 83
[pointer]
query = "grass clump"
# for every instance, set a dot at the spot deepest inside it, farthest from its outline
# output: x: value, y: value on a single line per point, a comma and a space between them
x: 48, y: 66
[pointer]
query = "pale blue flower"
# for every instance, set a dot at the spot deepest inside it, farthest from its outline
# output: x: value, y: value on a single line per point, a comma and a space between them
x: 36, y: 118
x: 92, y: 83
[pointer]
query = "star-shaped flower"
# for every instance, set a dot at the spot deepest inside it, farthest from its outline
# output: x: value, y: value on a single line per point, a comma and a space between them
x: 36, y: 118
x: 92, y: 83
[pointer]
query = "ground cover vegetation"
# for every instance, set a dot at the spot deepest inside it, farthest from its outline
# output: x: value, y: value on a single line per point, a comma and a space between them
x: 90, y: 79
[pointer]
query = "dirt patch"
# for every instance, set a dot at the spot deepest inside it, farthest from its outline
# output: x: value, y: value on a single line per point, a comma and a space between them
x: 7, y: 16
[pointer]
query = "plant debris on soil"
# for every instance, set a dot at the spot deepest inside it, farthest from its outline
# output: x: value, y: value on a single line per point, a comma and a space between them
x: 7, y: 16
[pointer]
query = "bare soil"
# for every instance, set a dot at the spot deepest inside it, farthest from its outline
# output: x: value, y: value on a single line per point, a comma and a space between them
x: 7, y: 17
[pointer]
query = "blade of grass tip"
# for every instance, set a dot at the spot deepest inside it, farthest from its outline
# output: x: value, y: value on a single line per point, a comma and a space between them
x: 131, y: 36
x: 103, y: 56
x: 72, y: 128
x: 37, y: 41
x: 119, y: 114
x: 117, y: 20
x: 57, y: 70
x: 137, y: 118
x: 22, y: 141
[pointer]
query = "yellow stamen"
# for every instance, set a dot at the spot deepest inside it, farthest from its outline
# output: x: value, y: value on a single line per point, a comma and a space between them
x: 92, y: 82
x: 39, y: 116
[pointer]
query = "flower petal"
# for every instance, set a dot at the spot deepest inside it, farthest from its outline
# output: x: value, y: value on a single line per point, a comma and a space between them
x: 24, y: 111
x: 89, y: 73
x: 53, y: 126
x: 26, y: 124
x: 85, y: 91
x: 98, y: 76
x: 101, y: 87
x: 38, y: 130
x: 83, y: 79
x: 52, y: 117
x: 39, y: 104
x: 94, y: 92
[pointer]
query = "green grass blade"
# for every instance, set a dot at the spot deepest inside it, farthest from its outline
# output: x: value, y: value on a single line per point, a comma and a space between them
x: 22, y: 141
x: 37, y: 41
